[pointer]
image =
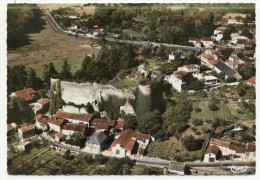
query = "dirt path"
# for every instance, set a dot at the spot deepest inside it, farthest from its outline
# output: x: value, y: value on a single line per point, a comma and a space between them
x: 50, y: 45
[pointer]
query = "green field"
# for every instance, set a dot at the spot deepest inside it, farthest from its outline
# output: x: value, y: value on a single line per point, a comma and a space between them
x: 75, y: 64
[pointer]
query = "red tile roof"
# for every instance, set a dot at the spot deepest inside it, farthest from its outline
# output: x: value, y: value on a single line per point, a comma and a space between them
x: 56, y: 121
x: 102, y: 125
x: 180, y: 74
x: 43, y: 121
x: 251, y: 147
x: 43, y: 102
x: 238, y: 149
x: 190, y: 66
x: 207, y: 56
x: 120, y: 124
x: 26, y: 94
x: 98, y: 30
x: 9, y: 127
x: 251, y: 80
x: 38, y: 117
x: 206, y: 39
x: 125, y: 139
x: 112, y: 123
x: 59, y: 135
x: 212, y: 149
x: 220, y: 142
x: 223, y: 47
x: 24, y: 124
x: 194, y: 39
x: 213, y: 62
x: 75, y: 127
x: 241, y: 41
x: 27, y: 128
x: 79, y: 117
x: 215, y: 52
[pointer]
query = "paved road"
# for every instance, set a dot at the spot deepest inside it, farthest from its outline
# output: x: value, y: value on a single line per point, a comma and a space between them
x: 215, y: 164
x: 58, y: 28
x: 151, y: 161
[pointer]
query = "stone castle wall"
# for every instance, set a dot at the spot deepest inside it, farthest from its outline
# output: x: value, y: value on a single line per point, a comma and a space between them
x: 82, y: 93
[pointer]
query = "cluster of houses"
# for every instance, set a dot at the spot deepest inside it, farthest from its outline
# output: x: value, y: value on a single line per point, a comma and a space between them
x: 65, y: 125
x: 237, y: 18
x: 218, y: 148
x: 212, y: 58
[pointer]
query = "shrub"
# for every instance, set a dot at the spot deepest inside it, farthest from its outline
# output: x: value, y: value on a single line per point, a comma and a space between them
x: 192, y: 144
x: 205, y: 130
x: 197, y: 122
x: 198, y: 109
x: 213, y: 106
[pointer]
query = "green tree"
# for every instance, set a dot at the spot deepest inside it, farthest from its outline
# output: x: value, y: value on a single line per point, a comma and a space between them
x: 247, y: 71
x: 152, y: 122
x: 90, y: 108
x: 246, y: 32
x: 176, y: 118
x: 65, y: 72
x: 192, y: 144
x: 226, y: 35
x: 19, y: 111
x: 32, y: 81
x: 130, y: 121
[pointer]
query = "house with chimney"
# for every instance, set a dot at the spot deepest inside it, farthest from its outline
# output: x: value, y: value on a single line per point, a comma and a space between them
x: 97, y: 142
x: 41, y: 122
x: 176, y: 79
x: 29, y: 95
x: 59, y: 137
x: 195, y: 41
x: 218, y: 34
x: 56, y: 124
x: 129, y: 142
x: 208, y: 60
x: 69, y: 129
x: 191, y: 68
x: 212, y: 154
x: 42, y: 106
x: 229, y: 149
x: 207, y: 42
x: 76, y: 118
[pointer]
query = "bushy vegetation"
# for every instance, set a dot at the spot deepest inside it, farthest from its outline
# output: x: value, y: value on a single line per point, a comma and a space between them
x: 163, y: 24
x: 19, y: 111
x: 22, y: 19
x: 191, y: 143
x: 247, y: 71
x: 112, y: 106
x: 197, y: 122
x: 76, y: 139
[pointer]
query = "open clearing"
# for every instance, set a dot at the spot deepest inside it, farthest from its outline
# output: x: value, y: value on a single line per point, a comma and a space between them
x: 49, y: 45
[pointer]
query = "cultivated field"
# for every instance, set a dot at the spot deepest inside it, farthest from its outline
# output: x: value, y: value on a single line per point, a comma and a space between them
x: 49, y: 45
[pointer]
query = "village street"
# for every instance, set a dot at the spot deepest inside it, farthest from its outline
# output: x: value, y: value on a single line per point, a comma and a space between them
x: 150, y: 161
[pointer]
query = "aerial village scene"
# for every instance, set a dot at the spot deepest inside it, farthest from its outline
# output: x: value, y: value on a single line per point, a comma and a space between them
x: 131, y: 89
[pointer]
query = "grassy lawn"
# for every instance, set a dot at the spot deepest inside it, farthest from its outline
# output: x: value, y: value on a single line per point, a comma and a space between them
x: 75, y: 64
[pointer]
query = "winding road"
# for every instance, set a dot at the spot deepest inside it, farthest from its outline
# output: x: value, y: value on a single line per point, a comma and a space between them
x: 57, y: 27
